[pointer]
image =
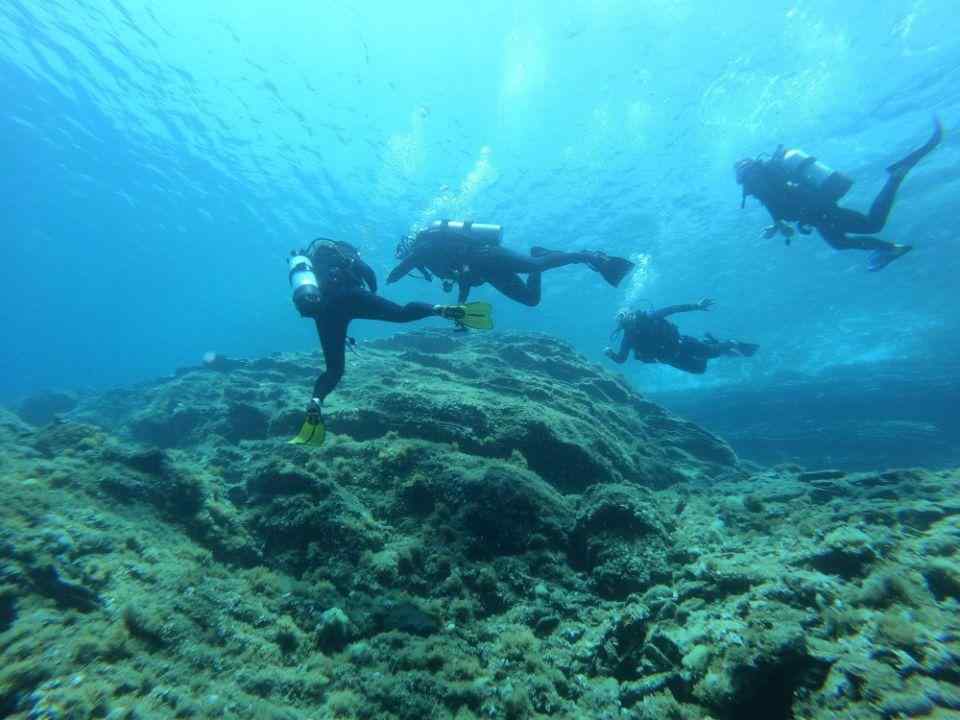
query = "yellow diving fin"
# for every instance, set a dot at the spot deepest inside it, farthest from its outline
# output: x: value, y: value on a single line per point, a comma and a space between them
x: 313, y: 432
x: 477, y: 315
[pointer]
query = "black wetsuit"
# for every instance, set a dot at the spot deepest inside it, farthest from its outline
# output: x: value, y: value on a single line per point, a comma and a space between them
x: 787, y: 201
x: 344, y: 299
x: 654, y: 339
x: 470, y: 264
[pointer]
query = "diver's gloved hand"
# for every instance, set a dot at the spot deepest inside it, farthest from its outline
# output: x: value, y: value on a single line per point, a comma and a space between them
x: 608, y: 351
x: 778, y: 227
x: 706, y: 303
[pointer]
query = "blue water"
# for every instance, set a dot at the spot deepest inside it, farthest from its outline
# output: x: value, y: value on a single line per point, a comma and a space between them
x: 161, y: 158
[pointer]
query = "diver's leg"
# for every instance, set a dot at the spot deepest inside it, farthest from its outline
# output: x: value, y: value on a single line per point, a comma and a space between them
x: 876, y: 219
x: 364, y: 305
x: 687, y: 355
x: 713, y: 348
x: 503, y: 260
x: 842, y: 220
x: 611, y: 268
x: 332, y: 330
x: 695, y: 364
x: 499, y: 259
x: 882, y: 204
x: 851, y: 221
x: 839, y: 240
x: 511, y: 285
x: 698, y: 348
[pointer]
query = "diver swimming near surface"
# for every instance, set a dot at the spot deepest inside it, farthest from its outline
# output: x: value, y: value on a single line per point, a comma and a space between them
x: 333, y: 286
x: 654, y: 339
x: 470, y: 254
x: 798, y: 188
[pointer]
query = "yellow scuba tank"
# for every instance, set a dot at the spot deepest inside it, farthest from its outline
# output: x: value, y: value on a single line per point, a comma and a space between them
x: 814, y: 175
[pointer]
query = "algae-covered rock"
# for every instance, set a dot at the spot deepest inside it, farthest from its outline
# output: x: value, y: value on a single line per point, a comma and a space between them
x: 45, y: 407
x: 333, y: 629
x: 845, y: 551
x: 332, y: 524
x: 504, y: 508
x: 620, y: 537
x: 494, y: 528
x: 574, y: 423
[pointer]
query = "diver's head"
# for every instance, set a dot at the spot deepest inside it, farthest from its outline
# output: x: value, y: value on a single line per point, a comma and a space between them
x: 627, y: 319
x: 315, y: 245
x: 405, y: 246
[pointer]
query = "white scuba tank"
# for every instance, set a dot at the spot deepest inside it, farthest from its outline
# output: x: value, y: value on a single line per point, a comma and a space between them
x: 806, y: 170
x: 303, y: 281
x: 480, y: 232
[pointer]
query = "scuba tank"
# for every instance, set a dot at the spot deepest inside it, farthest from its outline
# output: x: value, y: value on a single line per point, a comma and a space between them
x: 478, y: 233
x: 306, y: 292
x: 806, y: 170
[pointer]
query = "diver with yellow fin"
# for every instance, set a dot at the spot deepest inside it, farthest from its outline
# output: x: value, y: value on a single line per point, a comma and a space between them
x: 333, y: 286
x: 469, y: 255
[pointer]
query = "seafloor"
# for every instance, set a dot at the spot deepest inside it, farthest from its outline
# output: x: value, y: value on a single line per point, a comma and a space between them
x: 496, y: 528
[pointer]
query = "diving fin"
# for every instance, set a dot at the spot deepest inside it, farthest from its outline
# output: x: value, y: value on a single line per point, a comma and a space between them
x: 902, y: 167
x: 613, y: 269
x: 879, y: 259
x: 475, y: 315
x: 313, y: 432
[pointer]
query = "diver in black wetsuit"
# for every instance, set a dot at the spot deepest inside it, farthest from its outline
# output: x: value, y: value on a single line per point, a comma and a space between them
x: 795, y: 187
x: 470, y: 254
x: 333, y: 286
x: 654, y: 339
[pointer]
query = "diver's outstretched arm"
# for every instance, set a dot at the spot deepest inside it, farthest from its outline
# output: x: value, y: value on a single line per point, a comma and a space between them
x: 704, y: 304
x: 405, y: 266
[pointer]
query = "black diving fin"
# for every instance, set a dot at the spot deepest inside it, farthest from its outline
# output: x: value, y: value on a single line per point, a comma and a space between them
x: 614, y: 269
x: 879, y: 259
x: 903, y: 166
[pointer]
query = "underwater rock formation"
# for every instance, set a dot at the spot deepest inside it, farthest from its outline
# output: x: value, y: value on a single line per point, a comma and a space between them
x: 495, y: 528
x: 892, y: 413
x: 573, y: 423
x: 44, y: 408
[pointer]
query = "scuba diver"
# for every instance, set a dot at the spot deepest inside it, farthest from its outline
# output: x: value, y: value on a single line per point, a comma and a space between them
x: 333, y: 286
x: 795, y: 187
x: 654, y: 339
x: 469, y: 254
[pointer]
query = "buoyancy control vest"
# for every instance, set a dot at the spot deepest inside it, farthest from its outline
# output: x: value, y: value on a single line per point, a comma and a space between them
x: 653, y: 338
x: 335, y: 263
